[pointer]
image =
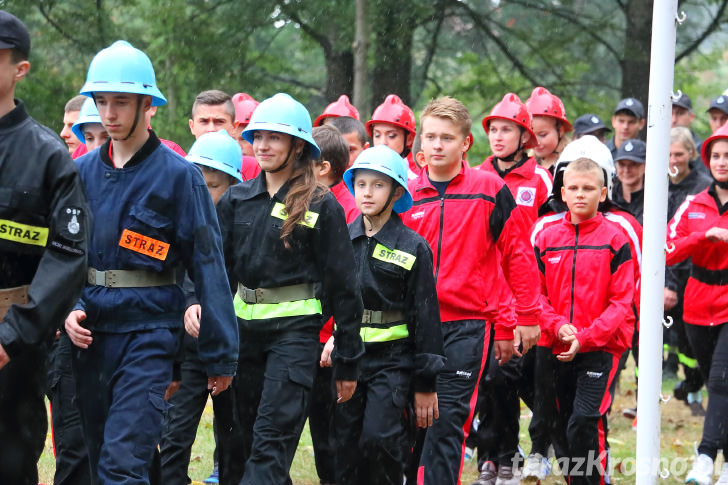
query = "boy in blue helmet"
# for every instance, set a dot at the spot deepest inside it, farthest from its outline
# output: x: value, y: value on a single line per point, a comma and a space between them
x: 153, y: 217
x: 400, y: 327
x: 219, y: 157
x: 88, y: 127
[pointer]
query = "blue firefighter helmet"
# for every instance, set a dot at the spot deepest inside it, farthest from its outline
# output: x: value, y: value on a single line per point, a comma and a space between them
x: 383, y: 159
x: 88, y: 114
x: 218, y: 150
x: 283, y: 114
x: 122, y: 68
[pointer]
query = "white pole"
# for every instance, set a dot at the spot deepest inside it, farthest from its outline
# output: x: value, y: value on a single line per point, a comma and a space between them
x: 662, y: 64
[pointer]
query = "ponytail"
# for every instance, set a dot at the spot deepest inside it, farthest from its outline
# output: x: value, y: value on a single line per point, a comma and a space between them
x: 304, y: 189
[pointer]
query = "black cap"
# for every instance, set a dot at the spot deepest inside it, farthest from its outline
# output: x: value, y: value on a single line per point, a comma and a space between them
x: 589, y: 123
x: 633, y: 149
x: 683, y: 101
x: 721, y: 103
x: 631, y: 105
x: 13, y: 34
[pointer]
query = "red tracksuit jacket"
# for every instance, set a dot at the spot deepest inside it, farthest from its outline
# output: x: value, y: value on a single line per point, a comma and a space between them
x: 468, y: 229
x: 530, y: 185
x: 587, y: 280
x: 706, y: 294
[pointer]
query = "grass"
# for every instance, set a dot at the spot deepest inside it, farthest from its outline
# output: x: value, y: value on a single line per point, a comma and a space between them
x: 680, y: 432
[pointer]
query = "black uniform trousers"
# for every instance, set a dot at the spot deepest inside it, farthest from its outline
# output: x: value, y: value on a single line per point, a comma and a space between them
x: 371, y: 426
x: 72, y: 464
x: 584, y: 393
x: 499, y: 409
x: 321, y: 420
x: 23, y: 419
x: 465, y: 343
x: 710, y: 344
x: 272, y: 389
x: 543, y: 423
x: 183, y: 419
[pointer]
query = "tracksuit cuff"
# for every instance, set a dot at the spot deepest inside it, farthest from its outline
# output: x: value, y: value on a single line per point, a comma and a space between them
x: 425, y: 383
x: 222, y: 369
x: 346, y: 372
x: 503, y: 333
x: 527, y: 320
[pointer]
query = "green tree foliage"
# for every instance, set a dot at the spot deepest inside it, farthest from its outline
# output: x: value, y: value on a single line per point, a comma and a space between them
x: 589, y: 53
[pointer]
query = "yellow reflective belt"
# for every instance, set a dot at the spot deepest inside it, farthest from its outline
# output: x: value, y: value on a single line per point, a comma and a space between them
x: 263, y: 311
x: 372, y: 334
x: 23, y: 233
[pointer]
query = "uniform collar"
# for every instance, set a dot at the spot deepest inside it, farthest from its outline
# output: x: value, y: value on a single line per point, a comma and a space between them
x: 259, y: 187
x: 423, y: 180
x: 586, y: 226
x: 15, y: 116
x: 387, y: 235
x: 149, y: 146
x: 517, y: 169
x: 721, y: 208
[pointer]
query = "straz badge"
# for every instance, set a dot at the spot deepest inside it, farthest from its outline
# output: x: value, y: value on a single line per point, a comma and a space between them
x: 144, y: 245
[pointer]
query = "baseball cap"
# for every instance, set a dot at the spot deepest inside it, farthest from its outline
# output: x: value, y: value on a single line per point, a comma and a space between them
x: 13, y: 34
x: 633, y: 149
x: 631, y: 105
x: 589, y: 123
x: 721, y: 103
x: 684, y: 102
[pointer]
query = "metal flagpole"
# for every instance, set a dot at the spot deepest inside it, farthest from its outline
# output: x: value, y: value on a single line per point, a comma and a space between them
x: 662, y: 64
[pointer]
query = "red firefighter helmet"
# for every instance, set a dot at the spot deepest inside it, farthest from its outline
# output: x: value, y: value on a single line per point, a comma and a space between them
x: 341, y: 107
x: 512, y: 109
x: 244, y: 107
x: 394, y: 112
x: 720, y: 134
x: 543, y: 103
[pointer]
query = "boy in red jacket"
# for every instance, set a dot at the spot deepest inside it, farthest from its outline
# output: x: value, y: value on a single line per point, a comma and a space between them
x: 470, y: 220
x: 587, y: 286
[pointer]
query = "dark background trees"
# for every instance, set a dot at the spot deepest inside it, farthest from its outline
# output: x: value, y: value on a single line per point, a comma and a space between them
x: 589, y: 53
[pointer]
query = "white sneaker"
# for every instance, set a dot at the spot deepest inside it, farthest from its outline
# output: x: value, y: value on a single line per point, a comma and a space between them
x: 487, y: 475
x: 536, y: 467
x: 723, y: 478
x: 507, y: 475
x: 702, y: 471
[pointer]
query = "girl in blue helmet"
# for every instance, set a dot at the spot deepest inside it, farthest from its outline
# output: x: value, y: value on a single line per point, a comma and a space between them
x: 400, y: 326
x: 288, y: 257
x: 152, y: 217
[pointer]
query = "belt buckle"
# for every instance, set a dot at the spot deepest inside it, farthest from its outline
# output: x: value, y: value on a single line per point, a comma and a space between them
x: 366, y: 317
x: 250, y: 296
x: 97, y: 277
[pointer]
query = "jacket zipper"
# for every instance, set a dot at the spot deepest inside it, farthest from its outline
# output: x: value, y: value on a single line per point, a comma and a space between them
x: 439, y: 236
x: 573, y: 274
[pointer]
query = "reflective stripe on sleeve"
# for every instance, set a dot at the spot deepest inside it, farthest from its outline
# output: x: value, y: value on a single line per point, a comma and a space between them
x: 263, y: 311
x: 23, y: 233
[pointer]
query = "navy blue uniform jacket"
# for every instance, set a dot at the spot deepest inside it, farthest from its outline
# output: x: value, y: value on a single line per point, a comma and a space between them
x: 159, y: 195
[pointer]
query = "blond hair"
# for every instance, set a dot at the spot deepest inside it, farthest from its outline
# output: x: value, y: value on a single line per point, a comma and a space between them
x: 450, y: 109
x: 585, y: 165
x: 682, y: 135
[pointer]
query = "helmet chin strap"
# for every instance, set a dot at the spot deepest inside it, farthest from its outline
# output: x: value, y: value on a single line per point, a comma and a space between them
x: 722, y: 185
x: 285, y: 163
x: 386, y: 204
x: 136, y: 117
x: 512, y: 156
x: 406, y: 150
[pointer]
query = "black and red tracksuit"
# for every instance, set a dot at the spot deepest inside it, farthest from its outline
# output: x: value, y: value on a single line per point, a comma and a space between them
x: 705, y: 310
x: 473, y: 228
x: 587, y: 280
x: 530, y: 183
